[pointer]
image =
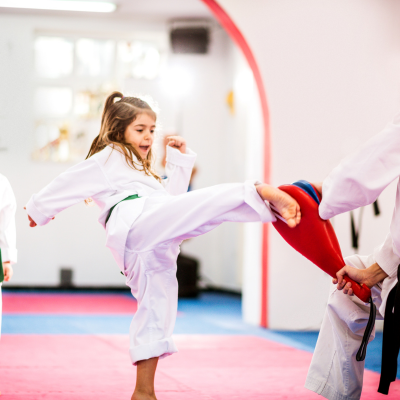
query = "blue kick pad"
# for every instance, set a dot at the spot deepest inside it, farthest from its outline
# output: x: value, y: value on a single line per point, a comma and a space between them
x: 307, y: 187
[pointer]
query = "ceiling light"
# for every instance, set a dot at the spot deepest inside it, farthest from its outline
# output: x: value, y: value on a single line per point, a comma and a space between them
x: 61, y: 5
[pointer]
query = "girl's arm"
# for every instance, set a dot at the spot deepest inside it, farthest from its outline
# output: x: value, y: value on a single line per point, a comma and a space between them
x: 359, y: 179
x: 7, y: 222
x: 77, y: 183
x: 179, y: 166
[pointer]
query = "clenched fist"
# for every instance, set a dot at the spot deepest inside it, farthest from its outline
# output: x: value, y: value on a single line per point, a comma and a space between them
x: 177, y: 142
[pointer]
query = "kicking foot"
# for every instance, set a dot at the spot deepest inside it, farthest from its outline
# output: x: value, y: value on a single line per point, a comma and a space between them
x: 286, y: 205
x: 143, y: 396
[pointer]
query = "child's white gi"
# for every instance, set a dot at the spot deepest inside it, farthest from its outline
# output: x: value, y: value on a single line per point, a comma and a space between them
x: 357, y: 181
x: 144, y: 234
x: 8, y: 208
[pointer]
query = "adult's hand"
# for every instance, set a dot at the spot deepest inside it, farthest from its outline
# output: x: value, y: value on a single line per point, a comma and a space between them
x: 369, y: 277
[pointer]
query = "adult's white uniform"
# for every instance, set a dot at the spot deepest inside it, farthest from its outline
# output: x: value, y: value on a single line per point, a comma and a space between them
x: 144, y: 234
x: 358, y: 180
x: 8, y: 207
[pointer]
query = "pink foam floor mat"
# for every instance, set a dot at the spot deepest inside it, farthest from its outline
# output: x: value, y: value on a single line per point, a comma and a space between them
x: 42, y: 303
x: 207, y: 367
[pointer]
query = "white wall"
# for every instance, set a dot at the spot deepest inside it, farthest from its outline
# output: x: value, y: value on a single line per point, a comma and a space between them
x: 331, y: 72
x: 75, y: 239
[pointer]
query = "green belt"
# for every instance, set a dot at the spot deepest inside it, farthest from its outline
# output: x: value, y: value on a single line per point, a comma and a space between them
x: 134, y: 196
x: 1, y: 269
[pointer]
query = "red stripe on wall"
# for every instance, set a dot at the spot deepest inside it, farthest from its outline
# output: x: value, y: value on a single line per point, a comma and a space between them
x: 239, y: 39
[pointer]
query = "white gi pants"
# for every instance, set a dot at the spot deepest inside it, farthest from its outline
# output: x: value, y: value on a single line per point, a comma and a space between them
x: 334, y: 372
x: 153, y: 246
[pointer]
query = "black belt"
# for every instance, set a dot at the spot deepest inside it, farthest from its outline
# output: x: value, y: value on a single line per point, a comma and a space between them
x: 362, y: 351
x: 133, y: 197
x: 391, y: 338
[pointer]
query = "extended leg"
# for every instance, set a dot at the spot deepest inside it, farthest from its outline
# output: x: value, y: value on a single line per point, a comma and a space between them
x: 195, y: 213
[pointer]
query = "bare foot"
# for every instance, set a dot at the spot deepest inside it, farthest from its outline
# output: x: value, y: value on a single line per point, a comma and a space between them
x: 286, y: 205
x: 143, y: 396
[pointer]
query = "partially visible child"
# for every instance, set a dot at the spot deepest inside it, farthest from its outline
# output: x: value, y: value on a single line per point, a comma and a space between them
x: 147, y: 218
x: 8, y: 251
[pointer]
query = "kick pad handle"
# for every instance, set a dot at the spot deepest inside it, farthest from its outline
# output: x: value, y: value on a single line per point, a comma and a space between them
x: 361, y: 291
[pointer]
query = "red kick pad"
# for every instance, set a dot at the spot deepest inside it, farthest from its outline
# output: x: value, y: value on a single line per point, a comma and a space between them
x: 315, y: 238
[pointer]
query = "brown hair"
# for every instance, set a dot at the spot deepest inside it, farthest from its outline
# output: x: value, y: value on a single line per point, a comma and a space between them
x: 117, y: 115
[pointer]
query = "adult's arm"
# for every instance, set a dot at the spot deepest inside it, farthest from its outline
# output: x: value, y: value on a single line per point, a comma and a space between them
x: 358, y: 181
x: 360, y: 178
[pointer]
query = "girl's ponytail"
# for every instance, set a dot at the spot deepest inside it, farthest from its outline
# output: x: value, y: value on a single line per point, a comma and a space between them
x: 97, y: 144
x: 94, y: 148
x: 109, y: 103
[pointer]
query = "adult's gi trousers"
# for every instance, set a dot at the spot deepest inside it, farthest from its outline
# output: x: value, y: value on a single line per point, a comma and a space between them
x: 334, y: 372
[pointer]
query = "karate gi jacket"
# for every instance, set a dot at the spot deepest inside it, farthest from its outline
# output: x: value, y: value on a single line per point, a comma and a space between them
x: 358, y: 181
x: 107, y: 179
x: 8, y: 207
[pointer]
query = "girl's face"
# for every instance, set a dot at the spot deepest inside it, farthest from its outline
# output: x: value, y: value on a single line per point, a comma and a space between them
x: 140, y: 134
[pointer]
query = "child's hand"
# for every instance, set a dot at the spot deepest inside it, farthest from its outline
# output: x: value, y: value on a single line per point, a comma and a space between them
x: 32, y: 223
x: 177, y: 142
x: 8, y: 271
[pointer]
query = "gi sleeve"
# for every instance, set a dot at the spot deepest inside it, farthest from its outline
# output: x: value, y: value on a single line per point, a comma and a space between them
x: 359, y: 179
x: 8, y: 207
x: 178, y: 170
x: 386, y: 257
x: 76, y: 184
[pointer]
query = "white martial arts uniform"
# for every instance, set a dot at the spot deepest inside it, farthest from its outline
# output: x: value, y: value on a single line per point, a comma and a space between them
x: 8, y: 207
x: 357, y: 181
x: 144, y: 234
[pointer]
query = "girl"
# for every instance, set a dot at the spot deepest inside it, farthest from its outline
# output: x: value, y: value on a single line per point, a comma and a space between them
x: 147, y: 218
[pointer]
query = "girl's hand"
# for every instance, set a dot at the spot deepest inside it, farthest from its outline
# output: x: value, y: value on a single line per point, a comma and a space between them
x: 8, y: 271
x: 177, y: 142
x: 32, y: 223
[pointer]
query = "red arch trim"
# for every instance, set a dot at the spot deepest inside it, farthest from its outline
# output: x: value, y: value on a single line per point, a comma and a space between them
x: 239, y: 39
